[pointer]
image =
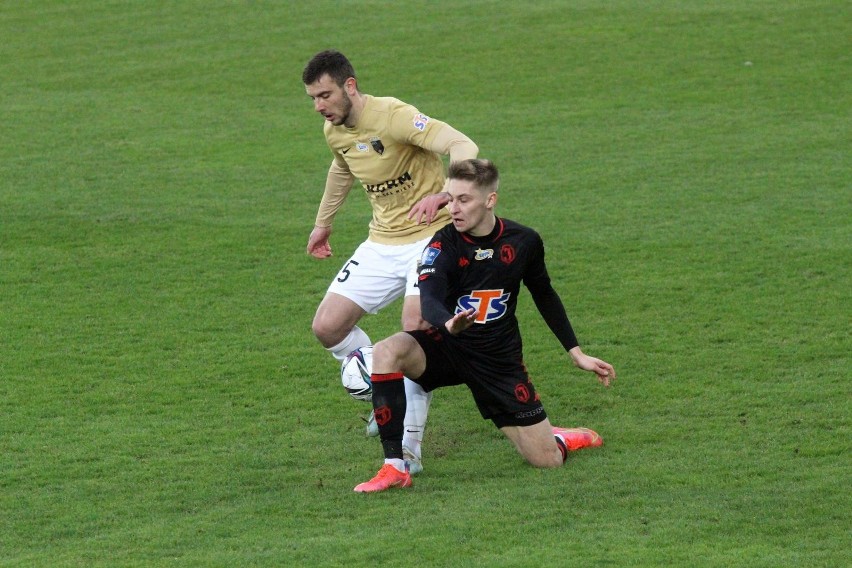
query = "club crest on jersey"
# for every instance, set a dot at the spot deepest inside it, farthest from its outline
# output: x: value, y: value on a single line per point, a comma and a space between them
x: 490, y: 304
x: 420, y: 121
x: 377, y: 146
x: 484, y: 254
x: 429, y: 255
x: 362, y: 147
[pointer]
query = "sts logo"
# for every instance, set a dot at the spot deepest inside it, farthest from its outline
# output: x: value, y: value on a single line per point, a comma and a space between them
x: 420, y: 121
x: 491, y: 304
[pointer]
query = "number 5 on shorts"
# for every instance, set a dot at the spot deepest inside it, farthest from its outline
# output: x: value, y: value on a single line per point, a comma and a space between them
x: 344, y: 273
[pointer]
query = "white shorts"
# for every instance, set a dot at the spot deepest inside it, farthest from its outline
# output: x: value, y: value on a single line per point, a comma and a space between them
x: 376, y: 275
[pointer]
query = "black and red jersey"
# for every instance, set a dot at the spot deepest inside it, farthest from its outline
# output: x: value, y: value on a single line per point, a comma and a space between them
x: 458, y: 271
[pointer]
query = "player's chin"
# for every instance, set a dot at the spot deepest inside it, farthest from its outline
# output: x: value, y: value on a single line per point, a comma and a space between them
x: 459, y: 224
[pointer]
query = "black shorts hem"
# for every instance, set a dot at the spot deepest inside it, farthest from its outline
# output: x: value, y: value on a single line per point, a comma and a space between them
x: 523, y: 418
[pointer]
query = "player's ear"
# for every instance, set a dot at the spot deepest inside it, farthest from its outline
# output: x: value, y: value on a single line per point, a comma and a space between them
x: 351, y: 86
x: 491, y: 200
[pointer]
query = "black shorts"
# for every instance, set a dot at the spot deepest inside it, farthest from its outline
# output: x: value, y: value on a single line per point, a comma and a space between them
x: 500, y: 386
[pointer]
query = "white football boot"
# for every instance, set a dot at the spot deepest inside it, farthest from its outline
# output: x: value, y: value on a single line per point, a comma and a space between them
x: 372, y: 429
x: 415, y: 466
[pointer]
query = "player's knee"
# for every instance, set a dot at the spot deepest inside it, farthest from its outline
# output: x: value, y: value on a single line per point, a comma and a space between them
x: 384, y: 355
x: 541, y: 455
x: 387, y: 354
x: 545, y: 459
x: 414, y: 322
x: 328, y: 332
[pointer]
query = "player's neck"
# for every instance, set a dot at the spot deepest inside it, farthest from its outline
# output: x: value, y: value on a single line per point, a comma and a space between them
x: 485, y: 228
x: 359, y: 100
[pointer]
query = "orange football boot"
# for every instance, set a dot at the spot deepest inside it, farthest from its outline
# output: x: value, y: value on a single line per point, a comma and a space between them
x: 387, y: 478
x: 578, y: 438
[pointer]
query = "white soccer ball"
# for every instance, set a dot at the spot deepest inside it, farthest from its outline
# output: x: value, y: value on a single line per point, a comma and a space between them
x: 355, y: 373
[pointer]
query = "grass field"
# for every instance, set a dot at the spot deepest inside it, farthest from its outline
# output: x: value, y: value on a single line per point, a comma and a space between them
x: 162, y: 399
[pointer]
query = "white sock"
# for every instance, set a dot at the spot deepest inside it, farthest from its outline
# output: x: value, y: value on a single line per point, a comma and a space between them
x: 356, y: 338
x: 416, y: 412
x: 398, y: 464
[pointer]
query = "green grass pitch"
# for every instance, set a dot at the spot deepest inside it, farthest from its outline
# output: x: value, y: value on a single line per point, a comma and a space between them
x: 163, y: 402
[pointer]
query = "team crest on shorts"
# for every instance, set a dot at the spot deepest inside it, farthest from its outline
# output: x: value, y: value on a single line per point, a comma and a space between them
x: 522, y: 393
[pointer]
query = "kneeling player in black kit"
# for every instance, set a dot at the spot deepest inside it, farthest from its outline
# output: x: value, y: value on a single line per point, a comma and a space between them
x: 470, y: 276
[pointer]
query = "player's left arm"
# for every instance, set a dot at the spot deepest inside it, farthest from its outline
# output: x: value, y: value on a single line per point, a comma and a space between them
x: 448, y: 141
x: 443, y: 139
x: 552, y: 310
x: 604, y: 371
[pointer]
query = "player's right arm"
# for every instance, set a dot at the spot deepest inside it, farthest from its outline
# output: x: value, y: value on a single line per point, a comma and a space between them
x: 337, y: 185
x: 433, y: 269
x: 461, y: 321
x: 433, y: 290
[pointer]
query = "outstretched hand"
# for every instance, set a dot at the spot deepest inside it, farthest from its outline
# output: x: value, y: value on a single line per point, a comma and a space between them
x: 461, y: 321
x: 604, y: 371
x: 318, y: 245
x: 424, y: 211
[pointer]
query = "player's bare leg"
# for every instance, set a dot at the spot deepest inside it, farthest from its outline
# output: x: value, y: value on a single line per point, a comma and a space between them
x: 335, y: 326
x: 535, y: 443
x: 544, y: 445
x: 411, y: 317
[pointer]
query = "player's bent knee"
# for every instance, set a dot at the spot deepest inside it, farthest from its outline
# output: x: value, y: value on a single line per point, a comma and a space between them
x: 540, y: 453
x: 328, y: 333
x: 385, y: 355
x: 394, y: 353
x: 414, y: 323
x: 335, y: 318
x: 544, y: 461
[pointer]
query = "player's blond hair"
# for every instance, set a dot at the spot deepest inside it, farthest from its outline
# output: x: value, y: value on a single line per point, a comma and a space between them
x: 483, y: 173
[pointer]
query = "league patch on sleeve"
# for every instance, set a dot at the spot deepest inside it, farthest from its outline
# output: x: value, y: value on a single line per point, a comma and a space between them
x: 420, y: 121
x: 430, y: 253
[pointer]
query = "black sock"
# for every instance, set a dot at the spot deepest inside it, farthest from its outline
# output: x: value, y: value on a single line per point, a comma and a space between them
x: 389, y: 406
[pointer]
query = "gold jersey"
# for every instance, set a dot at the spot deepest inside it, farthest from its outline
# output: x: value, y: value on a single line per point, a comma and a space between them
x: 395, y: 152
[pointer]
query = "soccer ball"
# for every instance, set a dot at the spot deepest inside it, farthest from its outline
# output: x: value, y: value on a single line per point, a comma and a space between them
x: 355, y: 373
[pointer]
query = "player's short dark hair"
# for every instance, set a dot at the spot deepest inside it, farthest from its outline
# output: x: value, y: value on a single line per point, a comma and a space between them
x: 329, y: 62
x: 483, y: 173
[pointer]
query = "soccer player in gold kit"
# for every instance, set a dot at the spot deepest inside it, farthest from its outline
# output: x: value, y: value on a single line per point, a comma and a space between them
x: 395, y: 151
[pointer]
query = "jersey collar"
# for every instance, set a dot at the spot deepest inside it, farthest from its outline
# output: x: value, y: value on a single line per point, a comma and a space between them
x: 495, y: 234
